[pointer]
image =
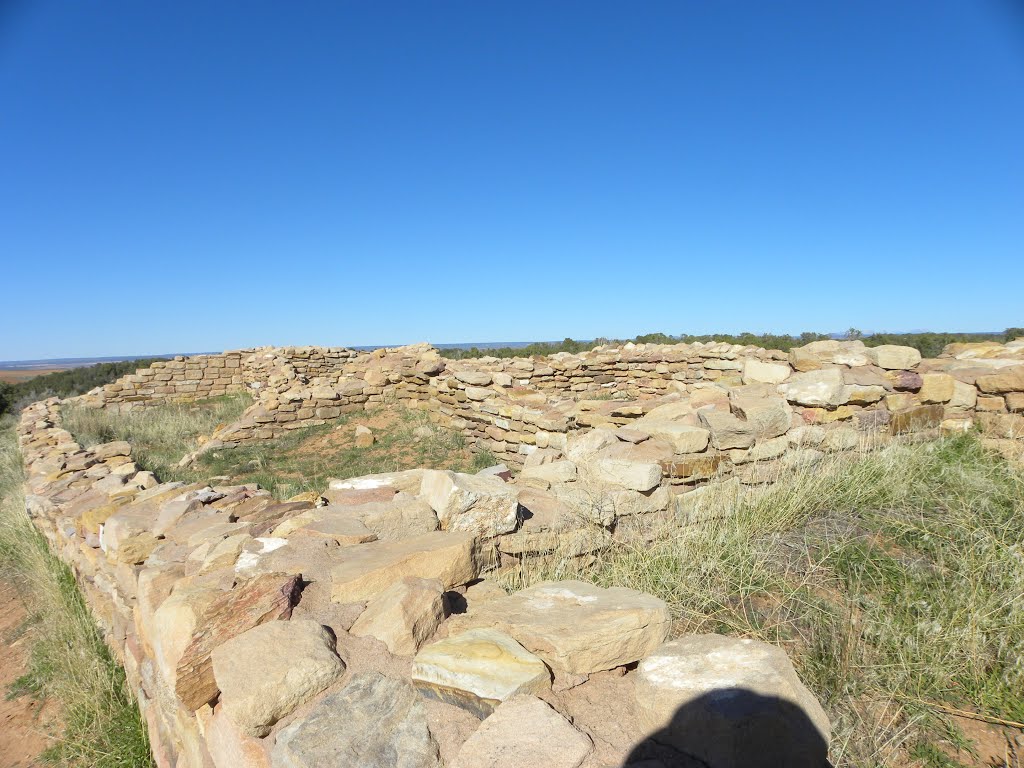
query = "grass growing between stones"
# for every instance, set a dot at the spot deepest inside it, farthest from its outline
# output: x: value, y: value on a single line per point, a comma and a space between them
x: 159, y: 435
x: 304, y: 459
x: 69, y: 663
x: 895, y: 580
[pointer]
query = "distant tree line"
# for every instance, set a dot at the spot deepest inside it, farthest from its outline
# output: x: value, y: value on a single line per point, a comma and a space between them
x: 929, y: 344
x: 74, y: 381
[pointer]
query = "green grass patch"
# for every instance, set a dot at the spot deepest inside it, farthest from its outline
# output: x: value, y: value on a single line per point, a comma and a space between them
x: 69, y: 661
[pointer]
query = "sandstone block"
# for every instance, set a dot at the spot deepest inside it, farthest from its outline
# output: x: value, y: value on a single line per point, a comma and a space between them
x: 369, y: 569
x: 893, y: 357
x: 474, y: 378
x: 552, y: 472
x: 635, y: 475
x: 937, y: 388
x: 486, y: 506
x: 684, y: 438
x: 728, y: 431
x: 823, y: 387
x: 477, y: 670
x: 265, y: 598
x: 524, y: 731
x: 574, y: 626
x: 404, y: 615
x: 759, y: 372
x: 373, y: 722
x: 731, y: 703
x: 965, y: 396
x: 264, y: 673
x: 1006, y: 380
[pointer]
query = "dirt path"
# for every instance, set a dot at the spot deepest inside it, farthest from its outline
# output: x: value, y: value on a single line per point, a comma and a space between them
x: 24, y: 722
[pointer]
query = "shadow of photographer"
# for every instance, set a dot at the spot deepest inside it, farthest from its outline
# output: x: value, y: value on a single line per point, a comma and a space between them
x: 734, y: 728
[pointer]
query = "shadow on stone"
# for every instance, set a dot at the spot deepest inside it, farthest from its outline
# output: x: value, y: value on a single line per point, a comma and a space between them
x: 734, y: 728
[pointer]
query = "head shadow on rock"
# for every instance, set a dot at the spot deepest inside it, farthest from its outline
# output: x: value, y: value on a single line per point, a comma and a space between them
x: 734, y: 728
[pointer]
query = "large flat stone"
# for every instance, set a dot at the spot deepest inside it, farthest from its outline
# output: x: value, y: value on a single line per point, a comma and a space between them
x: 893, y: 356
x: 404, y: 615
x: 477, y: 670
x: 368, y: 569
x: 484, y: 505
x: 263, y: 674
x: 524, y: 731
x: 815, y: 388
x: 373, y: 722
x: 732, y: 703
x: 265, y: 598
x: 575, y: 626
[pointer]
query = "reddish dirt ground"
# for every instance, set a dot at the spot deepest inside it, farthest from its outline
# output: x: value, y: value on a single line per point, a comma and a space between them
x: 25, y: 724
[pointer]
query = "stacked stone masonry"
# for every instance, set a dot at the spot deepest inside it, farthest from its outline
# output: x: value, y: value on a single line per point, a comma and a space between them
x: 364, y: 625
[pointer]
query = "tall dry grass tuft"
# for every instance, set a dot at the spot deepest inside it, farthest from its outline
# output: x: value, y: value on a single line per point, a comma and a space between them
x: 69, y: 663
x: 160, y: 435
x: 894, y: 579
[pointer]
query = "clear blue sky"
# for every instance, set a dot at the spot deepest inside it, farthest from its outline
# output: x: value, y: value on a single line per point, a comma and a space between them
x: 208, y: 175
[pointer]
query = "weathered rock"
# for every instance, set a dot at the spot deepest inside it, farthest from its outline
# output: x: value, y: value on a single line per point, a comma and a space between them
x: 965, y: 397
x: 574, y: 626
x: 769, y: 416
x: 916, y: 419
x: 937, y: 388
x: 1006, y: 380
x: 265, y: 598
x: 563, y: 471
x: 732, y: 703
x: 728, y: 431
x: 759, y: 372
x: 401, y: 517
x: 369, y: 569
x: 364, y: 436
x: 373, y: 722
x: 524, y: 731
x: 486, y: 506
x: 904, y: 381
x: 816, y: 388
x: 893, y: 357
x: 264, y: 673
x: 635, y: 475
x: 684, y: 438
x: 477, y: 670
x: 474, y: 378
x: 228, y: 746
x: 174, y: 624
x: 404, y: 615
x: 818, y: 354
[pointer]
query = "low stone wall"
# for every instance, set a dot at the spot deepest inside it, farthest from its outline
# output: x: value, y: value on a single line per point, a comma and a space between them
x: 182, y: 379
x: 362, y: 627
x: 697, y: 411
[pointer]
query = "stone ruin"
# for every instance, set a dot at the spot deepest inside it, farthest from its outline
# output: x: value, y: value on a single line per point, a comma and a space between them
x: 364, y: 626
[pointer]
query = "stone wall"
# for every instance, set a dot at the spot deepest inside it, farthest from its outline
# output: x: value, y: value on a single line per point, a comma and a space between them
x: 700, y: 410
x: 263, y: 633
x: 182, y: 379
x: 362, y: 627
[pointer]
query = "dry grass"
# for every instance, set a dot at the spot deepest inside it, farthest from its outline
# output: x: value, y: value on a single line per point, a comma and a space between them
x: 160, y: 435
x: 69, y: 663
x: 893, y: 579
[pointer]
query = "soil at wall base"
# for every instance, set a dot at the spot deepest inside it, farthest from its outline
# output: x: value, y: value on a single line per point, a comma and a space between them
x: 25, y: 723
